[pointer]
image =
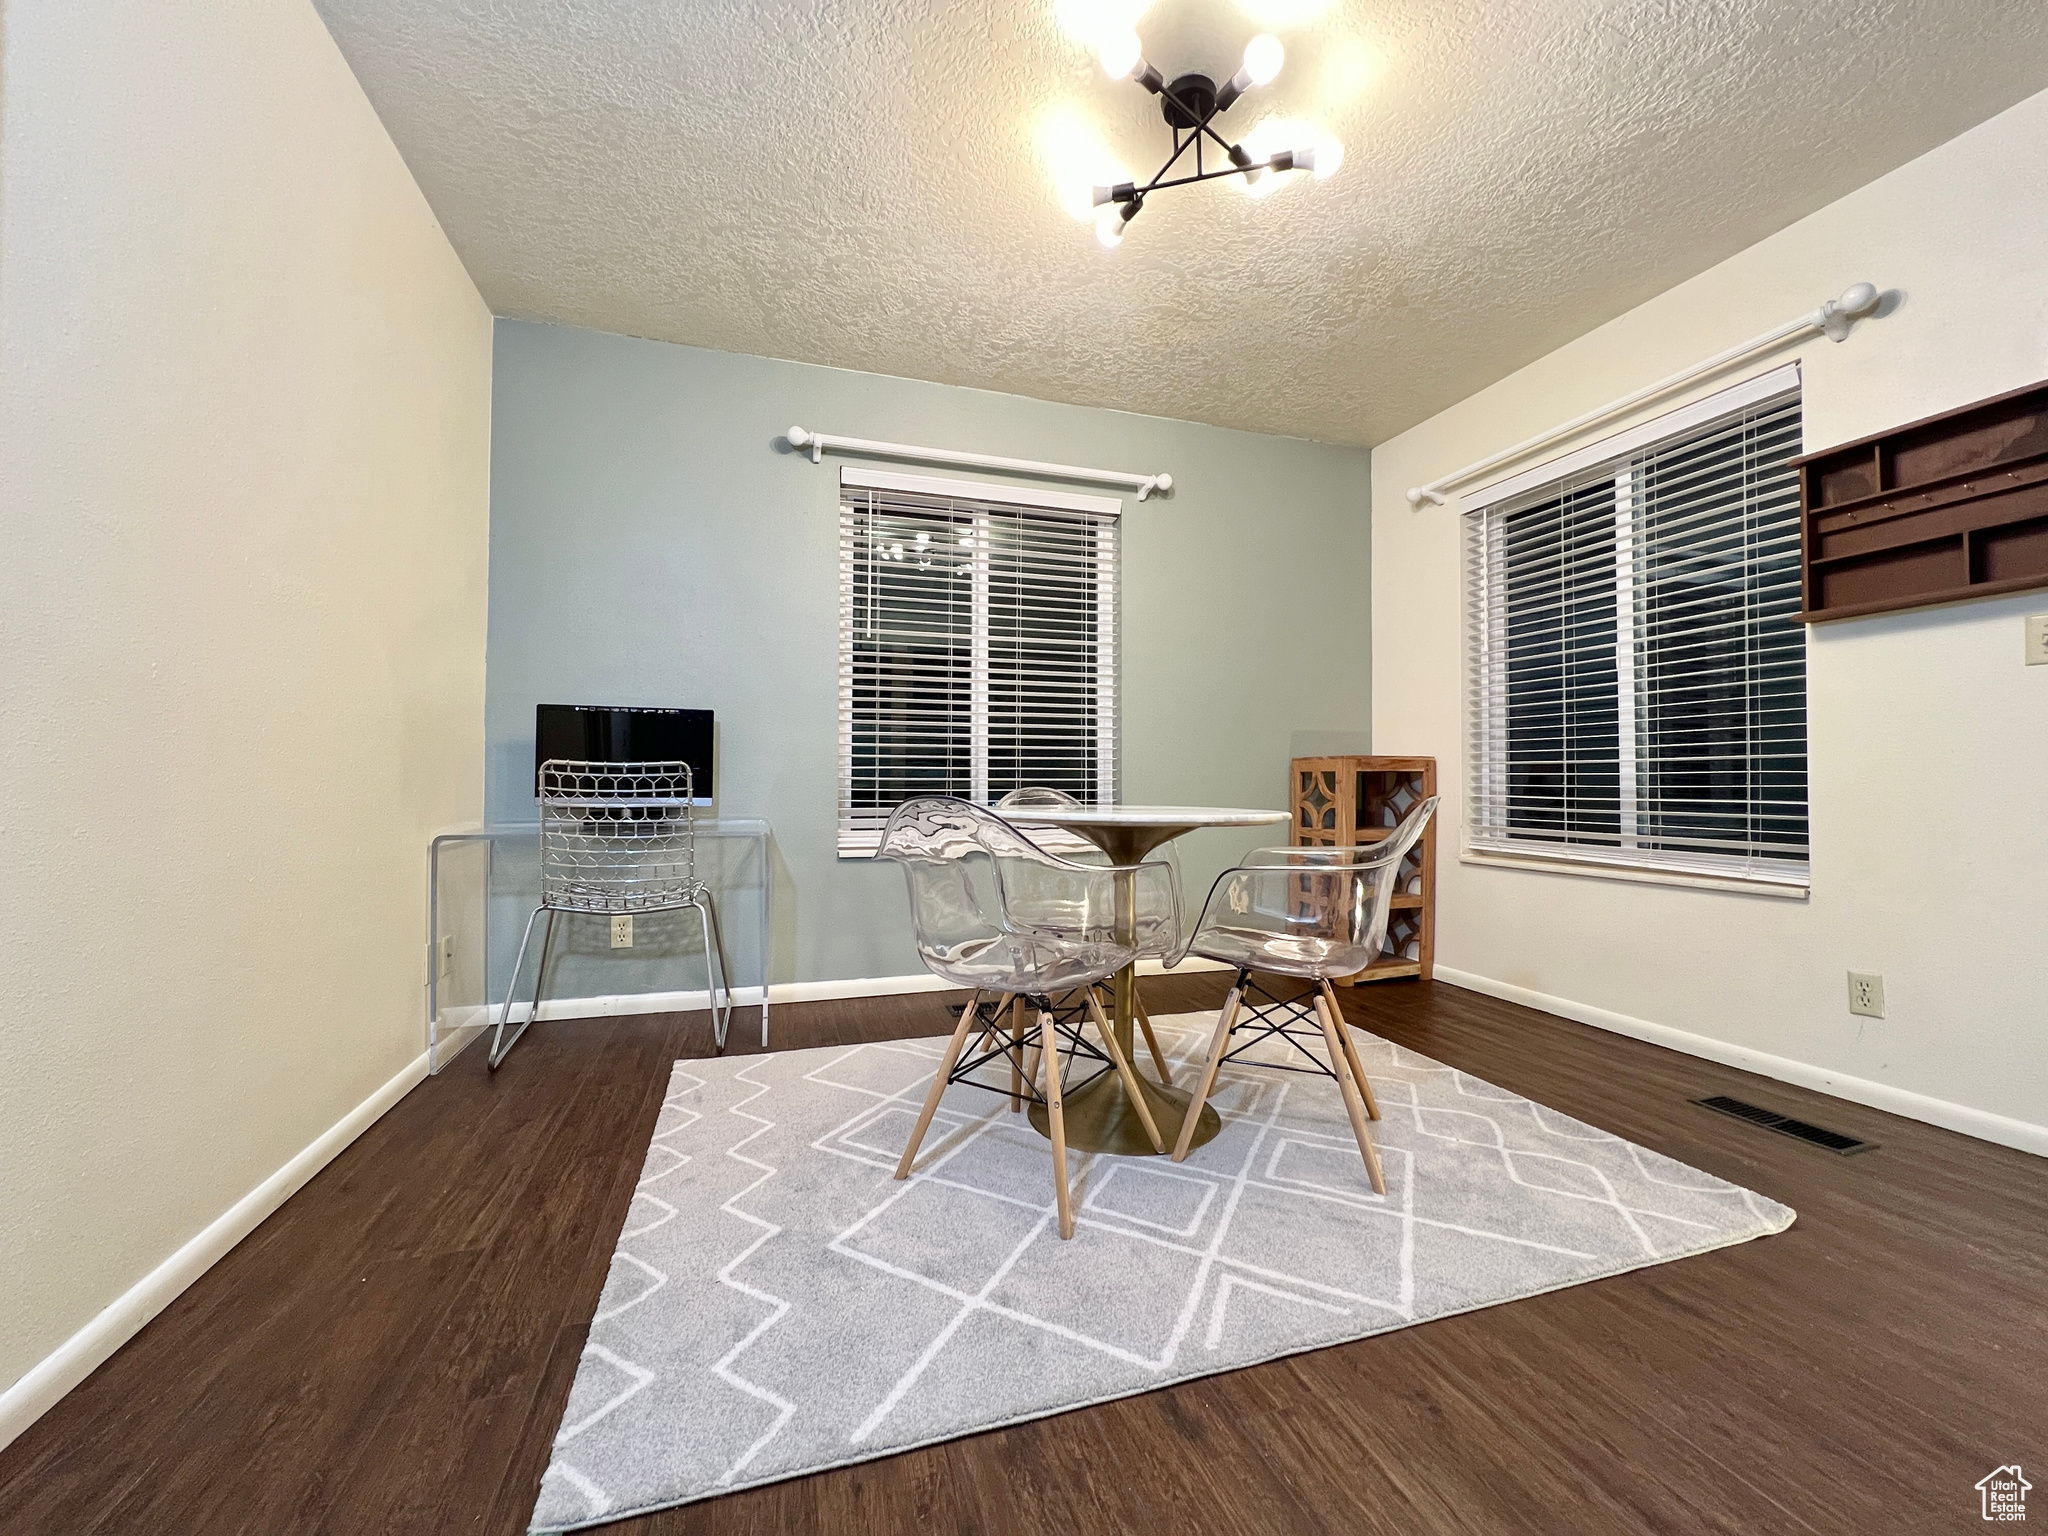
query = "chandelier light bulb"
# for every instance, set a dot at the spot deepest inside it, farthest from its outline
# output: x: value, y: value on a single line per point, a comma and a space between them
x: 1263, y: 57
x: 1121, y: 53
x: 1111, y: 230
x: 1329, y: 154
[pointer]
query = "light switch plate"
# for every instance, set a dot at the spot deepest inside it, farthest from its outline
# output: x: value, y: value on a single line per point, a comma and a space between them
x: 2037, y: 639
x: 622, y: 931
x: 447, y: 956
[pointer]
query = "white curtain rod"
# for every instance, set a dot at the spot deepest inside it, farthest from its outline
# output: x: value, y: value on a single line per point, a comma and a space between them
x: 1836, y: 318
x: 819, y: 442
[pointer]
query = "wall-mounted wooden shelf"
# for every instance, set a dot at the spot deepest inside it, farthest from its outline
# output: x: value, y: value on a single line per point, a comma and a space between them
x: 1342, y: 802
x: 1949, y: 507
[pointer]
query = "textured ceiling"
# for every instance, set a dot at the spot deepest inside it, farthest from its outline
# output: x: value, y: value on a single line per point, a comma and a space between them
x: 869, y: 183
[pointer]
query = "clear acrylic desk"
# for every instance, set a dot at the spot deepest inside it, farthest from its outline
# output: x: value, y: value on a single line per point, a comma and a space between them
x: 482, y: 883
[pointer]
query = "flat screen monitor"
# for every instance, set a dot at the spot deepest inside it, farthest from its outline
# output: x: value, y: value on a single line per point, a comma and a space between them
x: 597, y: 733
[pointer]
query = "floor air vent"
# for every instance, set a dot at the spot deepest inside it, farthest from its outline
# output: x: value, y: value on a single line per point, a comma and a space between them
x: 1771, y: 1120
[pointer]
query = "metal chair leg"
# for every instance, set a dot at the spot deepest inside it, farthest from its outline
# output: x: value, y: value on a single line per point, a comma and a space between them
x: 714, y: 949
x: 1225, y: 1022
x: 499, y: 1044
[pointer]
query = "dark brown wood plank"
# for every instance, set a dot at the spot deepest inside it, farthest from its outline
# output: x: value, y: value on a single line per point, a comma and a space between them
x: 392, y: 1350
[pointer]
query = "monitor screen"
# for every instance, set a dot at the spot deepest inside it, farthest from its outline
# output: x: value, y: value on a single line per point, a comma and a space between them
x: 596, y: 733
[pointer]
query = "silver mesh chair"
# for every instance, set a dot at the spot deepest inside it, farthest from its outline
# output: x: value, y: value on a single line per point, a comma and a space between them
x: 616, y: 838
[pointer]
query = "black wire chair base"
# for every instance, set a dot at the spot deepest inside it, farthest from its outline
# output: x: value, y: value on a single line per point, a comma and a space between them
x: 1067, y: 1019
x: 1293, y: 1019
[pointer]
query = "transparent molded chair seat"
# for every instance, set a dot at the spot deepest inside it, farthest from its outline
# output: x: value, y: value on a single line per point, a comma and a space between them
x: 1282, y: 954
x: 993, y: 912
x: 1155, y: 924
x: 1308, y: 914
x: 1028, y: 963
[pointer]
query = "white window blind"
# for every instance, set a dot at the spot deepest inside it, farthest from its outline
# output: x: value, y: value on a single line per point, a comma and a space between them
x: 977, y: 645
x: 1637, y: 670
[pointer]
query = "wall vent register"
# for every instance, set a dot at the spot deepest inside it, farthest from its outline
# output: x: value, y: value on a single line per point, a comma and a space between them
x: 1636, y: 665
x: 977, y: 644
x: 1785, y: 1125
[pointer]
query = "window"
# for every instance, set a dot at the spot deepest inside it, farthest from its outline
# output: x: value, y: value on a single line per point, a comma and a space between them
x: 1637, y: 663
x: 977, y: 644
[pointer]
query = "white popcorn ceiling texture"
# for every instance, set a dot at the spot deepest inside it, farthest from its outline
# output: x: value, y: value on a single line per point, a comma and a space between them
x: 865, y: 183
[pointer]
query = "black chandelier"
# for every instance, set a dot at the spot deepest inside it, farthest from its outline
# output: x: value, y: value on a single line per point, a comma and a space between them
x: 1191, y: 104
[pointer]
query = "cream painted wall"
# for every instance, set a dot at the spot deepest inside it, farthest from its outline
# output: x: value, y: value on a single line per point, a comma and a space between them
x: 1928, y: 735
x: 244, y: 448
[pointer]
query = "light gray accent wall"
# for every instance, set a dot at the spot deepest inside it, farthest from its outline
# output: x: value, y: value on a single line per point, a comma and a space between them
x: 654, y: 541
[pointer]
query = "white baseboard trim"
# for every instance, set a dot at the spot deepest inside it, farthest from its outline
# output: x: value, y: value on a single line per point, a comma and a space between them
x: 1983, y: 1124
x: 779, y: 992
x: 78, y: 1356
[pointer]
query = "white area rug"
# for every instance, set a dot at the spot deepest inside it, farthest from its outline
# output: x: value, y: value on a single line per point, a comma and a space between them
x: 778, y: 1304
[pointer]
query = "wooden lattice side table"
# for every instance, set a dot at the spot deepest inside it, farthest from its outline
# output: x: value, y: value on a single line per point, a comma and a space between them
x: 1343, y: 802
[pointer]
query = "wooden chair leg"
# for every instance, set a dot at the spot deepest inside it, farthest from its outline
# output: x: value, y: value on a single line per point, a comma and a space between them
x: 1055, y: 1114
x: 1372, y: 1105
x: 1225, y: 1022
x: 1123, y: 1070
x: 1353, y: 1105
x: 1016, y: 1050
x: 1152, y: 1040
x: 931, y: 1100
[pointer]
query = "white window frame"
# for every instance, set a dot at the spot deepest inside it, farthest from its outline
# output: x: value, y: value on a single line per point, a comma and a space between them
x: 859, y: 842
x: 1486, y: 701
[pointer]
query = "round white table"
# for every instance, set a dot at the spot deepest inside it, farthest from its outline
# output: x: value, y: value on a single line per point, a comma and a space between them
x: 1100, y: 1117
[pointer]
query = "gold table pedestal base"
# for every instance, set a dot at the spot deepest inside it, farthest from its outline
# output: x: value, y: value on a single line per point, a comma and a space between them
x: 1100, y: 1118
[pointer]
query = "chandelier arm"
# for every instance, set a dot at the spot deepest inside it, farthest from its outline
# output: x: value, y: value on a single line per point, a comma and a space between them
x: 1201, y: 127
x: 1158, y: 177
x: 1179, y: 150
x: 1185, y: 181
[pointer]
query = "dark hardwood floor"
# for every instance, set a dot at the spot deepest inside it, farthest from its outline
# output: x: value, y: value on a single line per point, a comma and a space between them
x: 391, y: 1351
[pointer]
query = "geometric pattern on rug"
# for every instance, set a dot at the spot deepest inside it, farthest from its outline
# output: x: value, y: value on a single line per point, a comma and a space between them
x: 777, y: 1304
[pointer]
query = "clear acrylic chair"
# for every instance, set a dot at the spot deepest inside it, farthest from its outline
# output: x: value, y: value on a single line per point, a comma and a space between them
x: 617, y: 838
x: 1309, y: 914
x: 998, y: 915
x: 1156, y: 920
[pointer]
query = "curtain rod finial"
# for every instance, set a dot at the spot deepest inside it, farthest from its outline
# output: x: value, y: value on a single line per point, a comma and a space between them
x: 1838, y: 316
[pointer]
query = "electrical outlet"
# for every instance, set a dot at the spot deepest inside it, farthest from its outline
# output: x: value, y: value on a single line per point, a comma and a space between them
x: 622, y: 931
x: 447, y: 956
x: 1866, y: 994
x: 2037, y: 639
